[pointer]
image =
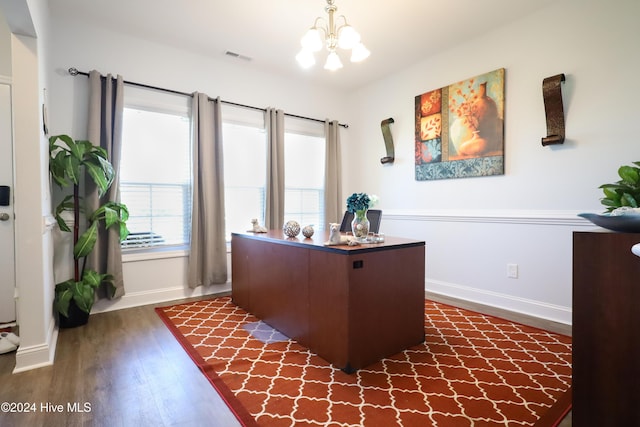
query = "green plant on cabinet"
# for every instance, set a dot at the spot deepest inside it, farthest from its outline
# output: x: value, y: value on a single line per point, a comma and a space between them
x: 625, y: 192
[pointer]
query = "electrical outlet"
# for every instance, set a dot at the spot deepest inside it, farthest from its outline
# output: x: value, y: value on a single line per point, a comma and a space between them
x: 512, y: 271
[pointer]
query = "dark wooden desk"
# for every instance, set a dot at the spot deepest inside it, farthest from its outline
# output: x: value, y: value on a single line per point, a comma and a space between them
x: 351, y: 305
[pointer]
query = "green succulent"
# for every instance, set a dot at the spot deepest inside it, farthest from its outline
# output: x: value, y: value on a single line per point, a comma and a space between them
x: 625, y: 192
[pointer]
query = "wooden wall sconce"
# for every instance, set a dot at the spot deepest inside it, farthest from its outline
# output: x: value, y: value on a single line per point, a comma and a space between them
x: 552, y: 93
x: 388, y: 141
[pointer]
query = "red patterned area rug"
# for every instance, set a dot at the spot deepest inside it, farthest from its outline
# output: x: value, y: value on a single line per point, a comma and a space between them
x: 472, y: 370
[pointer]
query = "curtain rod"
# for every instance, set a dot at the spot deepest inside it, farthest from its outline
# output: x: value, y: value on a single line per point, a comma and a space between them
x: 74, y: 72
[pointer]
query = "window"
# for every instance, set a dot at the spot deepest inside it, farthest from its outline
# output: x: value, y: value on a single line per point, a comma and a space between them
x: 245, y: 170
x: 245, y: 175
x: 155, y: 172
x: 304, y: 157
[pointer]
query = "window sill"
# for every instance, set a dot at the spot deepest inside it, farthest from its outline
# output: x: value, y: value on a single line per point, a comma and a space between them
x: 134, y: 255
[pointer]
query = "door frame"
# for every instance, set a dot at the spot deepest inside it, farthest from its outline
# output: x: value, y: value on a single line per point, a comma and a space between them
x: 6, y: 81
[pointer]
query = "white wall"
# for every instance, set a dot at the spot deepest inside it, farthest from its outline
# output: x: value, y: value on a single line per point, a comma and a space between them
x: 473, y: 227
x: 28, y: 21
x: 86, y: 48
x: 163, y: 277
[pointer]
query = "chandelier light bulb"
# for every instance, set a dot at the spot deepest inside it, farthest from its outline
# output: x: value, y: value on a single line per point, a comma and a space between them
x: 359, y: 53
x: 348, y: 37
x: 312, y: 41
x: 333, y: 62
x: 305, y: 58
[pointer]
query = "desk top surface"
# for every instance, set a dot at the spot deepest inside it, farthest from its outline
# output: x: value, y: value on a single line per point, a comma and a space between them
x: 320, y: 238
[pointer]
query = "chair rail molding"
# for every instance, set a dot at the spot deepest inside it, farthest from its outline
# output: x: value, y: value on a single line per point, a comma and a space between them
x: 539, y: 217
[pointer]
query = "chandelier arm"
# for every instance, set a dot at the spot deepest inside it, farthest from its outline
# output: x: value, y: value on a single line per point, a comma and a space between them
x: 346, y: 24
x: 319, y: 20
x: 322, y: 28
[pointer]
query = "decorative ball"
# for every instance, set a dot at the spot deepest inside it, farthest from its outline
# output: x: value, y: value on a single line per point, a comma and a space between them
x: 291, y: 228
x: 307, y: 231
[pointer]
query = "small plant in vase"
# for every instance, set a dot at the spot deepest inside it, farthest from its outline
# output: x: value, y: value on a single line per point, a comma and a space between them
x: 358, y: 204
x: 68, y: 161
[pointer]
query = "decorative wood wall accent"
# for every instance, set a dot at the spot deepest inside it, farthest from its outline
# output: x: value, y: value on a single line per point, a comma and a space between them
x: 388, y: 141
x: 552, y: 93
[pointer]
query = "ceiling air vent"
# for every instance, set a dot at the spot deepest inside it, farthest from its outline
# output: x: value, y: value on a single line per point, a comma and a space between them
x: 237, y: 55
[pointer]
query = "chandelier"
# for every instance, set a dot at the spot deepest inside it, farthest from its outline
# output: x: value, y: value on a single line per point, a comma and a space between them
x: 343, y: 37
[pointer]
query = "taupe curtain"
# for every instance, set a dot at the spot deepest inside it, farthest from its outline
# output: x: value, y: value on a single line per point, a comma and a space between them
x: 334, y: 206
x: 207, y: 263
x: 274, y: 124
x: 106, y: 107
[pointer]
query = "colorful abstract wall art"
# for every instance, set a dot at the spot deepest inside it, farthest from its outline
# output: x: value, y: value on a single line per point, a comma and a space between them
x: 459, y: 129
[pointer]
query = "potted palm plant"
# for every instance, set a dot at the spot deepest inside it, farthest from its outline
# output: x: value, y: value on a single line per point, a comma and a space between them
x: 69, y: 161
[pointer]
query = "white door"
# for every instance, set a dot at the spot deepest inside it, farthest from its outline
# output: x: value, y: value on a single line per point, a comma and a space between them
x: 7, y: 243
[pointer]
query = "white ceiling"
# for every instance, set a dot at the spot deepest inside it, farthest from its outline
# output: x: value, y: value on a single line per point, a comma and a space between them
x: 398, y: 33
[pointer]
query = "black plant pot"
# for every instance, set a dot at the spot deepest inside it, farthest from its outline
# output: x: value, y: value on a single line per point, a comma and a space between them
x: 76, y: 317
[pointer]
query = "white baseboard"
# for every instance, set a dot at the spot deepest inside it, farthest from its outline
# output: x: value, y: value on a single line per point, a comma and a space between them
x: 156, y: 296
x: 38, y: 356
x: 529, y: 307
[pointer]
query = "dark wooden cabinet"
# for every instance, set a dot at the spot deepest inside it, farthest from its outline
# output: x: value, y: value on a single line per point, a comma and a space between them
x: 350, y: 305
x: 606, y: 330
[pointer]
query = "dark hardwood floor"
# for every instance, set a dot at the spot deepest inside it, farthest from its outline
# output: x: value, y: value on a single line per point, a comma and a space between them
x: 124, y: 368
